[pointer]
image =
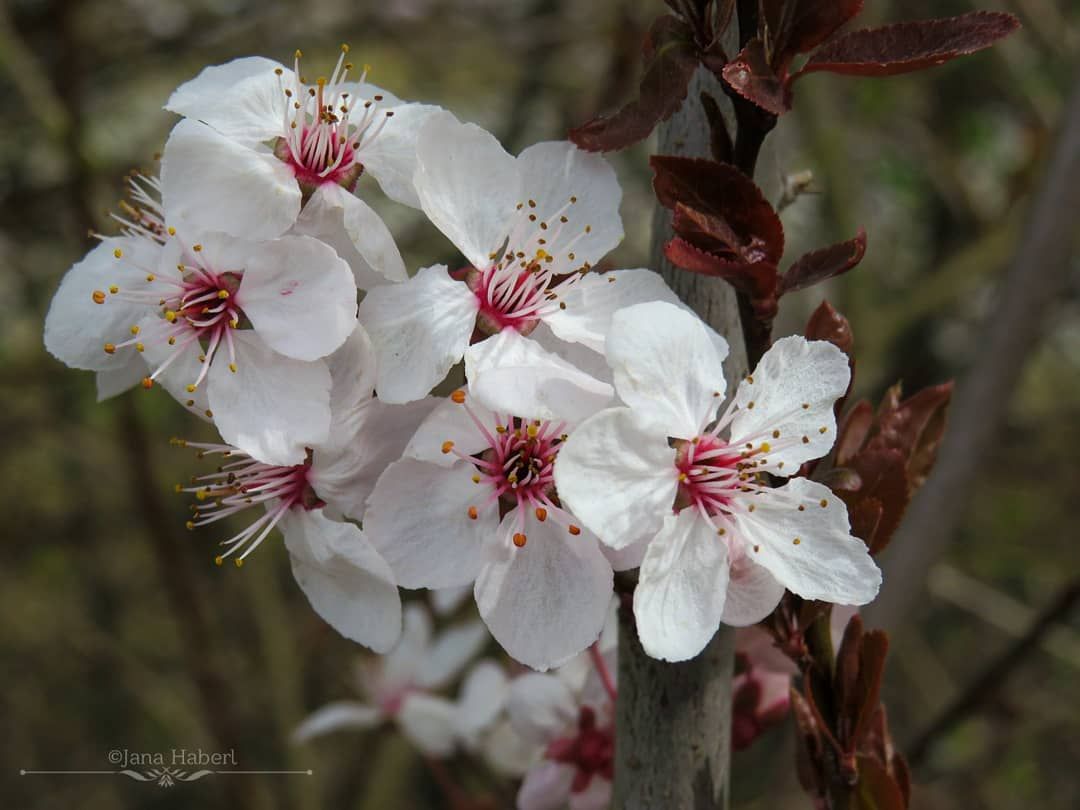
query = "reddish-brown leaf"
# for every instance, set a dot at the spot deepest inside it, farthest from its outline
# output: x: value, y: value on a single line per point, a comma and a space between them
x: 820, y: 265
x: 671, y: 58
x: 910, y: 46
x: 811, y: 22
x: 751, y: 279
x: 915, y: 427
x: 810, y: 747
x: 884, y: 475
x: 866, y: 513
x: 872, y: 653
x: 750, y: 75
x: 722, y: 191
x: 852, y: 433
x: 876, y: 789
x: 828, y: 324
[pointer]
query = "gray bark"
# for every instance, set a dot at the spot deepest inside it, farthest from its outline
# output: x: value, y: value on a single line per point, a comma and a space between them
x: 673, y: 721
x: 1036, y: 280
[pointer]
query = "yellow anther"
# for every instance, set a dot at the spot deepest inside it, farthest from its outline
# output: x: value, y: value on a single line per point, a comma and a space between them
x: 458, y: 396
x: 796, y: 541
x: 776, y: 434
x: 750, y: 405
x: 721, y: 532
x: 520, y: 540
x: 574, y: 530
x: 135, y: 329
x: 147, y: 383
x: 219, y: 560
x: 533, y: 431
x: 196, y: 248
x: 190, y: 525
x: 541, y: 514
x: 239, y: 562
x: 473, y: 513
x: 823, y: 503
x: 447, y: 446
x: 171, y: 230
x: 190, y: 388
x: 151, y: 277
x: 202, y: 494
x: 223, y: 294
x: 139, y: 347
x: 172, y: 341
x: 232, y: 367
x: 110, y: 348
x: 344, y: 47
x: 98, y: 296
x: 476, y: 479
x: 118, y: 253
x: 114, y: 289
x: 299, y: 54
x: 170, y: 316
x: 765, y: 447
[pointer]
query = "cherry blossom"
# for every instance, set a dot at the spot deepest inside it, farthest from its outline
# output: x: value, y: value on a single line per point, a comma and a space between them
x: 571, y: 714
x: 343, y: 575
x: 473, y: 501
x: 673, y: 469
x: 401, y: 686
x: 226, y: 325
x: 531, y: 229
x: 263, y: 150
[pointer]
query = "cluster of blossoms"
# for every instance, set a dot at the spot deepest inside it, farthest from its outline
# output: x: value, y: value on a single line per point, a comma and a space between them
x: 593, y: 432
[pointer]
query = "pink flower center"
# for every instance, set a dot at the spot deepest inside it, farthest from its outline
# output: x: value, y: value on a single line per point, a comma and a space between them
x: 591, y: 751
x: 710, y: 473
x: 241, y: 483
x: 325, y: 127
x: 516, y: 469
x: 200, y: 309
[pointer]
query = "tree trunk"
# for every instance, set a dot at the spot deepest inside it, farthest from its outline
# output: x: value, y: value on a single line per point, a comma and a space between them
x: 674, y: 720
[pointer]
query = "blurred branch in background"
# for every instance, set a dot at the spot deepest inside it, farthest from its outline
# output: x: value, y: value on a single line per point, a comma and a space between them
x: 1035, y: 282
x: 982, y: 690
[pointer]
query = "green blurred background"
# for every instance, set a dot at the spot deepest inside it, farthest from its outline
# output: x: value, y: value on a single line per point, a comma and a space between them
x: 118, y: 631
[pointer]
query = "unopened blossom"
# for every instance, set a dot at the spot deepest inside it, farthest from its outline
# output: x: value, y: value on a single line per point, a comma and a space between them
x: 264, y: 149
x: 473, y: 500
x: 570, y: 714
x: 344, y: 577
x: 675, y: 469
x: 531, y: 228
x: 401, y: 686
x: 227, y: 325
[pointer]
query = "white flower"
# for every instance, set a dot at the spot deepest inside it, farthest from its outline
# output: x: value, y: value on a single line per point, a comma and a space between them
x: 228, y: 326
x: 531, y: 227
x: 344, y: 577
x: 571, y: 714
x: 722, y: 545
x: 400, y: 687
x: 473, y: 499
x: 259, y: 142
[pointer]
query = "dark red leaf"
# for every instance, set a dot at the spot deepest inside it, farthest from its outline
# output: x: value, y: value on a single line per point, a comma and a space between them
x: 866, y: 519
x: 750, y: 75
x: 876, y: 789
x: 811, y: 22
x: 752, y: 279
x: 720, y: 143
x: 872, y: 653
x: 820, y: 265
x: 722, y: 191
x: 884, y: 474
x: 810, y: 748
x: 909, y: 46
x: 915, y: 427
x: 671, y: 58
x: 828, y: 324
x: 852, y: 433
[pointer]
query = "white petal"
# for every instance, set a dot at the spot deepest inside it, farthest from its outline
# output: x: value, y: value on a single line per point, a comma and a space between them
x: 335, y: 717
x: 546, y: 601
x: 450, y: 422
x: 552, y: 173
x: 272, y: 407
x: 352, y: 372
x: 541, y: 707
x: 592, y: 301
x: 481, y: 701
x: 418, y: 519
x: 576, y: 354
x: 428, y: 722
x: 506, y: 752
x: 183, y: 367
x: 401, y: 667
x: 826, y: 563
x: 467, y: 185
x: 546, y: 786
x: 216, y: 184
x: 243, y: 99
x: 597, y: 796
x: 77, y: 328
x: 300, y: 297
x: 753, y: 593
x: 667, y: 367
x: 628, y: 557
x: 114, y: 381
x: 511, y: 373
x: 617, y: 477
x: 453, y: 649
x: 344, y: 578
x: 391, y: 157
x: 681, y: 586
x: 361, y: 445
x: 794, y: 373
x: 420, y: 328
x: 352, y: 228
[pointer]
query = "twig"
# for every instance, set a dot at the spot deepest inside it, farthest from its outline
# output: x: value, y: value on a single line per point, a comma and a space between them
x: 986, y: 685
